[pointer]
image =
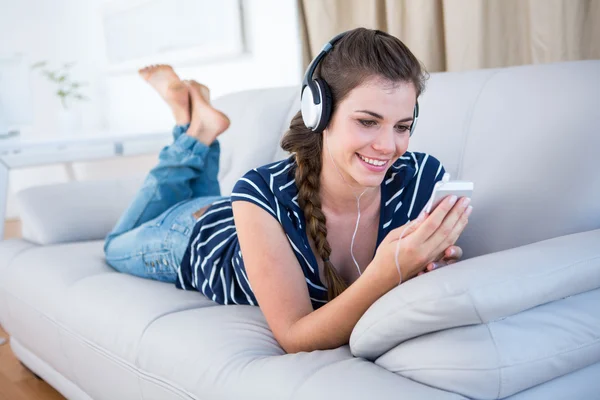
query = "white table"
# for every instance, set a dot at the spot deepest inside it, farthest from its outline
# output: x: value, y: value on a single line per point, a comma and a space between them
x: 66, y: 150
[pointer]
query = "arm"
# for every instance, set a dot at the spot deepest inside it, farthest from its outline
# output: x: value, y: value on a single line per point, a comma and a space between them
x: 280, y: 287
x: 331, y: 325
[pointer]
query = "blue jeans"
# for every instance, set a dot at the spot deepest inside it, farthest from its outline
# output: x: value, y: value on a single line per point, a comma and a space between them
x: 151, y: 237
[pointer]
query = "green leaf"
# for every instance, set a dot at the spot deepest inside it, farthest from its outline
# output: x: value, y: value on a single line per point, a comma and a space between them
x: 39, y: 64
x: 51, y: 75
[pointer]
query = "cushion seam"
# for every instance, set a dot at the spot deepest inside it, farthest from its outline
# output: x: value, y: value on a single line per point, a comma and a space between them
x: 498, y: 357
x: 469, y: 122
x: 448, y: 368
x: 18, y: 253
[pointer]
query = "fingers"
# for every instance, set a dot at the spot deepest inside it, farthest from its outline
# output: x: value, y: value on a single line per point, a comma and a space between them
x: 451, y: 229
x: 453, y: 253
x: 411, y: 226
x: 433, y: 222
x: 450, y: 256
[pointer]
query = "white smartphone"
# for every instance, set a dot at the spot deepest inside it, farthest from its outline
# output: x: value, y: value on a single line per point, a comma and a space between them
x: 444, y: 188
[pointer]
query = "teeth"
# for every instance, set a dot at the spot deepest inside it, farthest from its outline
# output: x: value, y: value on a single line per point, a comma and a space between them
x: 373, y: 162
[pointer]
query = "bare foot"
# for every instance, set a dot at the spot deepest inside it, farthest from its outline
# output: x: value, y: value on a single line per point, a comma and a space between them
x: 166, y: 82
x: 207, y: 122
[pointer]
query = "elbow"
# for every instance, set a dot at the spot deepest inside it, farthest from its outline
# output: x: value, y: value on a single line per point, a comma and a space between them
x: 291, y: 343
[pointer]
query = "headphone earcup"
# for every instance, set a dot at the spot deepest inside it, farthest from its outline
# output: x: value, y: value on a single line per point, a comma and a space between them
x: 415, y: 118
x: 327, y: 103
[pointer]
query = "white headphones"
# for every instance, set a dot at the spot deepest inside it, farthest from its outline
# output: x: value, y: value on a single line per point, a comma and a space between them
x: 316, y: 99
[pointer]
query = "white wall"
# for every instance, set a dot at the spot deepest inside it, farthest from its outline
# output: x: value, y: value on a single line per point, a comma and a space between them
x: 71, y: 30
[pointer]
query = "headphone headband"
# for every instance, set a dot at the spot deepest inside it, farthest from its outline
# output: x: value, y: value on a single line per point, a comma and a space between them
x: 308, y: 75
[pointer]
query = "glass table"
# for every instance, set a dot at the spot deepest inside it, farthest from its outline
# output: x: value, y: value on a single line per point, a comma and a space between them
x: 19, y: 153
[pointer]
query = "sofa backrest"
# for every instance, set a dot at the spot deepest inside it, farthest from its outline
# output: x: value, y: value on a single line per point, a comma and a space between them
x: 527, y: 136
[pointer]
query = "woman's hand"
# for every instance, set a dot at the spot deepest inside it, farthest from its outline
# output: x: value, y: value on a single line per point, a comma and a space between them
x: 424, y: 240
x: 451, y: 255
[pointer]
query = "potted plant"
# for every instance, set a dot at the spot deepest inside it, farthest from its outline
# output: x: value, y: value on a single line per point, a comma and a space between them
x: 69, y: 92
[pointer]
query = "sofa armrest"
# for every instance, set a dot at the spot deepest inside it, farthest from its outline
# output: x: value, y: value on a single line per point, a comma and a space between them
x: 74, y: 211
x: 506, y: 356
x: 479, y: 290
x: 493, y: 325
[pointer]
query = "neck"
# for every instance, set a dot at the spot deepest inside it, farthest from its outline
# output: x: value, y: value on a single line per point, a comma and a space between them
x: 339, y: 191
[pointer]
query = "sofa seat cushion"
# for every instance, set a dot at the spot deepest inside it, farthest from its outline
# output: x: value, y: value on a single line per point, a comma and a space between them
x: 229, y: 352
x: 9, y: 250
x: 100, y: 322
x: 41, y: 276
x: 72, y: 286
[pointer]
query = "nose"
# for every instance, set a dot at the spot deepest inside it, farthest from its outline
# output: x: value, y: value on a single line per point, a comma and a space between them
x: 385, y: 142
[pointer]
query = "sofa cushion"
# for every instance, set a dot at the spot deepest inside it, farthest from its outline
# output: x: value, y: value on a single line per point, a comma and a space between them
x: 141, y: 333
x: 74, y: 211
x: 482, y: 356
x: 503, y: 357
x: 480, y: 290
x: 229, y: 352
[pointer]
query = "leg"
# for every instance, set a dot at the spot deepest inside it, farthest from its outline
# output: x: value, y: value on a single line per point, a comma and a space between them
x: 206, y: 124
x: 154, y: 249
x: 187, y: 168
x: 169, y: 182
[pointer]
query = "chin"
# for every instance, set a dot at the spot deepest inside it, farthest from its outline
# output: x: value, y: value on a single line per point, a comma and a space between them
x: 368, y: 179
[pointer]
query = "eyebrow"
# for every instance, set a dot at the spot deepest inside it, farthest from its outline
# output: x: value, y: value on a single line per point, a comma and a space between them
x: 374, y: 114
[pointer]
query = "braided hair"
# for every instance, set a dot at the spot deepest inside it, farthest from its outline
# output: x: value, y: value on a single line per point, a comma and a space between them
x: 359, y: 55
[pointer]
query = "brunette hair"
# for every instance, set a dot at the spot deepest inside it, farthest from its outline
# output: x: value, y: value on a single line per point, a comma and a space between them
x: 360, y: 55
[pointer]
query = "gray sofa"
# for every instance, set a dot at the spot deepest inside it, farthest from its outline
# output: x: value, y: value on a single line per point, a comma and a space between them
x: 518, y: 318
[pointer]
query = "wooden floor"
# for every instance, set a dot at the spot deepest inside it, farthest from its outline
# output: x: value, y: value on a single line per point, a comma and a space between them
x: 17, y: 382
x: 12, y: 228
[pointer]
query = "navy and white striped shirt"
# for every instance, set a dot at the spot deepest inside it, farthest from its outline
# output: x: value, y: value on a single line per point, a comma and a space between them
x: 213, y: 262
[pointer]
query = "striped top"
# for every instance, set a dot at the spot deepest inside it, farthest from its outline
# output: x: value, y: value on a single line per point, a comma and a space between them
x: 213, y: 263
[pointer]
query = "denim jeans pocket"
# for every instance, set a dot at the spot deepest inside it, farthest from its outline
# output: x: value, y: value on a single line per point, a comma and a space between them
x: 158, y: 261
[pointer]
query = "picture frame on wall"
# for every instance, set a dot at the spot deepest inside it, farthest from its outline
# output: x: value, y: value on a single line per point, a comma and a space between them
x: 176, y: 32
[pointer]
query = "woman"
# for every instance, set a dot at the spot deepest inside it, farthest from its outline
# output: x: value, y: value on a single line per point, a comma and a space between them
x: 287, y: 238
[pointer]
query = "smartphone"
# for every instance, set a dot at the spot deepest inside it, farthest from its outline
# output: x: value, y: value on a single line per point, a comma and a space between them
x: 445, y: 188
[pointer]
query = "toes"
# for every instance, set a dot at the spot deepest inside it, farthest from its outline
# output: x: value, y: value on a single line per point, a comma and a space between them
x: 145, y: 72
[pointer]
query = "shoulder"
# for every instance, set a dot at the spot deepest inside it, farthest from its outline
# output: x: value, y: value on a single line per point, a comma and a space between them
x: 266, y: 186
x: 267, y: 176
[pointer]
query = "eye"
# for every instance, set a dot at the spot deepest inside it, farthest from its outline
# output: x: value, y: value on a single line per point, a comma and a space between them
x: 367, y: 122
x: 403, y: 128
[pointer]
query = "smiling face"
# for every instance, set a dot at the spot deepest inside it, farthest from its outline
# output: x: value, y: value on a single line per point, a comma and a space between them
x: 369, y: 130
